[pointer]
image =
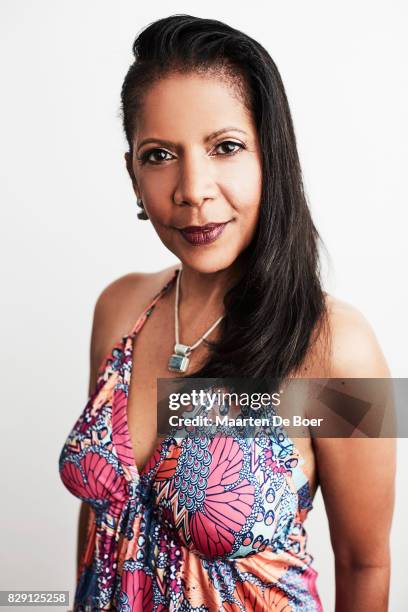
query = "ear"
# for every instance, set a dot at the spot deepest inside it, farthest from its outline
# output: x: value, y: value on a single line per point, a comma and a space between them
x: 129, y: 166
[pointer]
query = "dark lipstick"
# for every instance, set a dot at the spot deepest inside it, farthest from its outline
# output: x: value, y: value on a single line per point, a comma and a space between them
x: 204, y: 234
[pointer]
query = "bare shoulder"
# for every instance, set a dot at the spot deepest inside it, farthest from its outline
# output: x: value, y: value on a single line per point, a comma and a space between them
x: 119, y: 305
x: 344, y: 345
x: 355, y: 350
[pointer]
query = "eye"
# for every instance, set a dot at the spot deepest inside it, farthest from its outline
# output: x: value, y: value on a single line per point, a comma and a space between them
x: 155, y: 156
x: 229, y: 147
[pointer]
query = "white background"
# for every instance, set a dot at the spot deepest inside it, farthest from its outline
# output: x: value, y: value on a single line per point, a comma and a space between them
x: 69, y: 225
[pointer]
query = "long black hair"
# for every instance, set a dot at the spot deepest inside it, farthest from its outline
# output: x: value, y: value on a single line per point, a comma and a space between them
x: 276, y: 310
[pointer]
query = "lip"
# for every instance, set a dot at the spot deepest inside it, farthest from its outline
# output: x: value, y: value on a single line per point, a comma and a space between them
x: 202, y: 234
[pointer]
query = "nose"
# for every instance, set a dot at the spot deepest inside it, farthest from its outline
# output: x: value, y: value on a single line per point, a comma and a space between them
x: 196, y: 182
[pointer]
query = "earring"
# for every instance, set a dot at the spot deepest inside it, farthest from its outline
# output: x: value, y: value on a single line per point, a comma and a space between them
x: 142, y: 215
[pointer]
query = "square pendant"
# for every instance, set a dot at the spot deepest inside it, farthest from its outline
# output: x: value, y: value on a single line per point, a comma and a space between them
x: 178, y: 363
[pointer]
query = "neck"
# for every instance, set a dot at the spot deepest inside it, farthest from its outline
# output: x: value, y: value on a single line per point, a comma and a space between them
x: 198, y: 288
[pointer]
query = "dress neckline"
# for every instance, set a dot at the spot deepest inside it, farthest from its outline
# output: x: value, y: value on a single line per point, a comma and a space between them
x: 120, y: 426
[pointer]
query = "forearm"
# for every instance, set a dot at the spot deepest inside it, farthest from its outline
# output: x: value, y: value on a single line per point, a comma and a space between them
x: 361, y: 588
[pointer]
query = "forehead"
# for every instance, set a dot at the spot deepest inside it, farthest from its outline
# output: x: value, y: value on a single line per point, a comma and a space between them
x: 192, y: 103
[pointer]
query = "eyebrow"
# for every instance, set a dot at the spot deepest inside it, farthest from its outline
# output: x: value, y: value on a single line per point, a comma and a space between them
x: 168, y: 143
x: 222, y: 131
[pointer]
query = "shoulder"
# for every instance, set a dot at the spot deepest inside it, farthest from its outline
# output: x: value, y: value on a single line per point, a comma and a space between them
x: 123, y: 297
x: 355, y: 351
x: 119, y: 305
x: 344, y: 345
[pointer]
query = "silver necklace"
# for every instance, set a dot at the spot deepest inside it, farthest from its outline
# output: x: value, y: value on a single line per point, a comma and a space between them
x: 179, y: 361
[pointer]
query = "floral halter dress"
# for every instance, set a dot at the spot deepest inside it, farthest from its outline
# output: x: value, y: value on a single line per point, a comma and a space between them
x: 207, y: 525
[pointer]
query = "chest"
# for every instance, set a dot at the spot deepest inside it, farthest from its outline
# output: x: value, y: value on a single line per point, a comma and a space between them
x: 152, y: 347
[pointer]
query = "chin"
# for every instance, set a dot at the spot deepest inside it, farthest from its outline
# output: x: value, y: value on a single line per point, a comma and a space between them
x: 207, y: 263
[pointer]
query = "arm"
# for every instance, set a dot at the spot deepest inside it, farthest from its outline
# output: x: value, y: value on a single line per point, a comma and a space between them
x: 357, y: 480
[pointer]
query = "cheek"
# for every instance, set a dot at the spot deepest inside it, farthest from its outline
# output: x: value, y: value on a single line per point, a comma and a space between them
x: 156, y: 192
x: 243, y: 187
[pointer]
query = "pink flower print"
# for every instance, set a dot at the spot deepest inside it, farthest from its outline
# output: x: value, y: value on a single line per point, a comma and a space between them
x: 273, y: 463
x: 169, y: 464
x: 120, y: 431
x: 224, y: 512
x: 102, y: 482
x: 137, y: 591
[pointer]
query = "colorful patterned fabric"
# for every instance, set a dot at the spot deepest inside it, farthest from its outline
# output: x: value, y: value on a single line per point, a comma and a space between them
x: 210, y: 524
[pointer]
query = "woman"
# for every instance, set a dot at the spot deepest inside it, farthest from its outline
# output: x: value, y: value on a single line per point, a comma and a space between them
x: 181, y: 525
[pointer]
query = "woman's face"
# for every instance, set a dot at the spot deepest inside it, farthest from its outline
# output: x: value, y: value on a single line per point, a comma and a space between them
x: 196, y: 160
